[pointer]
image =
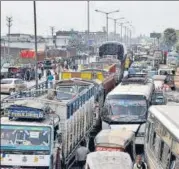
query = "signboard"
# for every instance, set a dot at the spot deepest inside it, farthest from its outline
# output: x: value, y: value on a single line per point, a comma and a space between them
x: 25, y: 112
x: 155, y: 35
x: 27, y: 54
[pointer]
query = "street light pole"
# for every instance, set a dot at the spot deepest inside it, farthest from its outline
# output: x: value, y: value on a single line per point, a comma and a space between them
x: 88, y: 23
x: 115, y: 23
x: 107, y: 26
x: 107, y: 14
x: 35, y: 34
x: 121, y: 24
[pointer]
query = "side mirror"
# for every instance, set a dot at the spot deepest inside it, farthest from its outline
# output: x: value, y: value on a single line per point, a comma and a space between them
x: 104, y: 111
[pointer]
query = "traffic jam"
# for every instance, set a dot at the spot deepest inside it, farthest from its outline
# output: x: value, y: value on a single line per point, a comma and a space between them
x: 123, y: 107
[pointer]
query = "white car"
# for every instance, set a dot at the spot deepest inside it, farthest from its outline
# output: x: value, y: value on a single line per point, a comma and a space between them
x: 11, y: 85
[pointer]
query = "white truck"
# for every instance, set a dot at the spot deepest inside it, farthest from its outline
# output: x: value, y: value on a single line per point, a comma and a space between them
x: 76, y: 122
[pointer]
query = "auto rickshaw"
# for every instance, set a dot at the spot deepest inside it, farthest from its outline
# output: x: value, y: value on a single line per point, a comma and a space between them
x: 116, y: 140
x: 108, y: 160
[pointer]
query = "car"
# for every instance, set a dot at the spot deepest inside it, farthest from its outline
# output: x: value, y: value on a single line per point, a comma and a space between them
x: 11, y: 85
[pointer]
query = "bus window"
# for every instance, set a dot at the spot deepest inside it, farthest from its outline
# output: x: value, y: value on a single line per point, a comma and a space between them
x: 164, y: 154
x: 155, y: 141
x: 148, y: 130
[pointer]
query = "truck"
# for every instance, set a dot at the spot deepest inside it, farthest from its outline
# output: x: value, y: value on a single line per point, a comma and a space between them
x: 118, y: 69
x: 76, y: 122
x: 29, y: 136
x: 115, y: 50
x: 85, y: 77
x: 99, y: 76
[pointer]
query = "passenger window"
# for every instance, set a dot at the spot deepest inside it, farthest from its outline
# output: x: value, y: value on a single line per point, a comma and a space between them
x: 154, y: 143
x: 164, y: 154
x: 147, y: 131
x: 153, y: 140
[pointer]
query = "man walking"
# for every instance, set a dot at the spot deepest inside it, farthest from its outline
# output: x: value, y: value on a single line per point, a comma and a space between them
x: 81, y: 154
x: 39, y: 71
x: 139, y: 163
x: 50, y: 80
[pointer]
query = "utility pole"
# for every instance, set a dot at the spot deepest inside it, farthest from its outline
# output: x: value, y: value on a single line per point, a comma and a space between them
x: 121, y: 24
x: 125, y: 34
x: 115, y: 22
x: 88, y: 25
x: 35, y: 34
x: 52, y: 31
x: 9, y: 24
x: 107, y: 14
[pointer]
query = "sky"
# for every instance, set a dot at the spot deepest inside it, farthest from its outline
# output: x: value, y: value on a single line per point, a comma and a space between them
x: 145, y: 16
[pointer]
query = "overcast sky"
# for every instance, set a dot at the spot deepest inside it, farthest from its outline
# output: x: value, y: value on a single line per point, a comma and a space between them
x: 146, y: 17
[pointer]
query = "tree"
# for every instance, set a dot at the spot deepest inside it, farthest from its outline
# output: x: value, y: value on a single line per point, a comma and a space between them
x: 177, y: 48
x: 170, y: 37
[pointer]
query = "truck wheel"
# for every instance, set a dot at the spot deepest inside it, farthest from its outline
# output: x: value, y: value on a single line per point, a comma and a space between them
x: 11, y: 91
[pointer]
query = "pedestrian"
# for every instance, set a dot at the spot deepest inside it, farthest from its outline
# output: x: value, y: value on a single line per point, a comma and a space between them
x: 42, y: 69
x: 39, y: 72
x: 50, y: 80
x: 81, y: 154
x: 28, y: 75
x: 139, y: 164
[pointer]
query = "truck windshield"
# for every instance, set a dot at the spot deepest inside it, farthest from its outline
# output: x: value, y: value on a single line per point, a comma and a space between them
x: 25, y: 137
x: 128, y: 107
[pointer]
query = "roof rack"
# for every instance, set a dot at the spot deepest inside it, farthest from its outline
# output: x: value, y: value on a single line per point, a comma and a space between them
x: 135, y: 79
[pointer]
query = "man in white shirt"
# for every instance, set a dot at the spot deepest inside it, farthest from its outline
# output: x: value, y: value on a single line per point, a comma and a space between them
x: 139, y: 163
x: 81, y: 154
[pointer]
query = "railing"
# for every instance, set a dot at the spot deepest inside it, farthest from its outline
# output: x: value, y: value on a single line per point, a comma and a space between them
x: 30, y: 92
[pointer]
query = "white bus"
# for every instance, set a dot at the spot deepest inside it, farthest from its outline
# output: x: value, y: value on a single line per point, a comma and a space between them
x: 127, y: 105
x: 162, y: 137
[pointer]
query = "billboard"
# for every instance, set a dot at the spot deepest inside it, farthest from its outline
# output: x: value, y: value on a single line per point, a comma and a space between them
x: 155, y: 35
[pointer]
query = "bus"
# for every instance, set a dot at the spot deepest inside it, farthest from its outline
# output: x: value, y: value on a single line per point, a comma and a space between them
x: 162, y: 137
x: 126, y: 106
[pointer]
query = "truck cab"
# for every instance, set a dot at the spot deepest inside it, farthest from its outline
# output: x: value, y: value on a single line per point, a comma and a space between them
x: 29, y: 137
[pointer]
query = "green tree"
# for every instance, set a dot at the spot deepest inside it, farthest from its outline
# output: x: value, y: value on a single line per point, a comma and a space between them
x: 177, y: 48
x: 170, y: 37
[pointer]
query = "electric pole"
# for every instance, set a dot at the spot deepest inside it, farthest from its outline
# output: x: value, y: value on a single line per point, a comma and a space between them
x: 52, y: 31
x: 36, y: 47
x: 88, y: 26
x: 9, y: 24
